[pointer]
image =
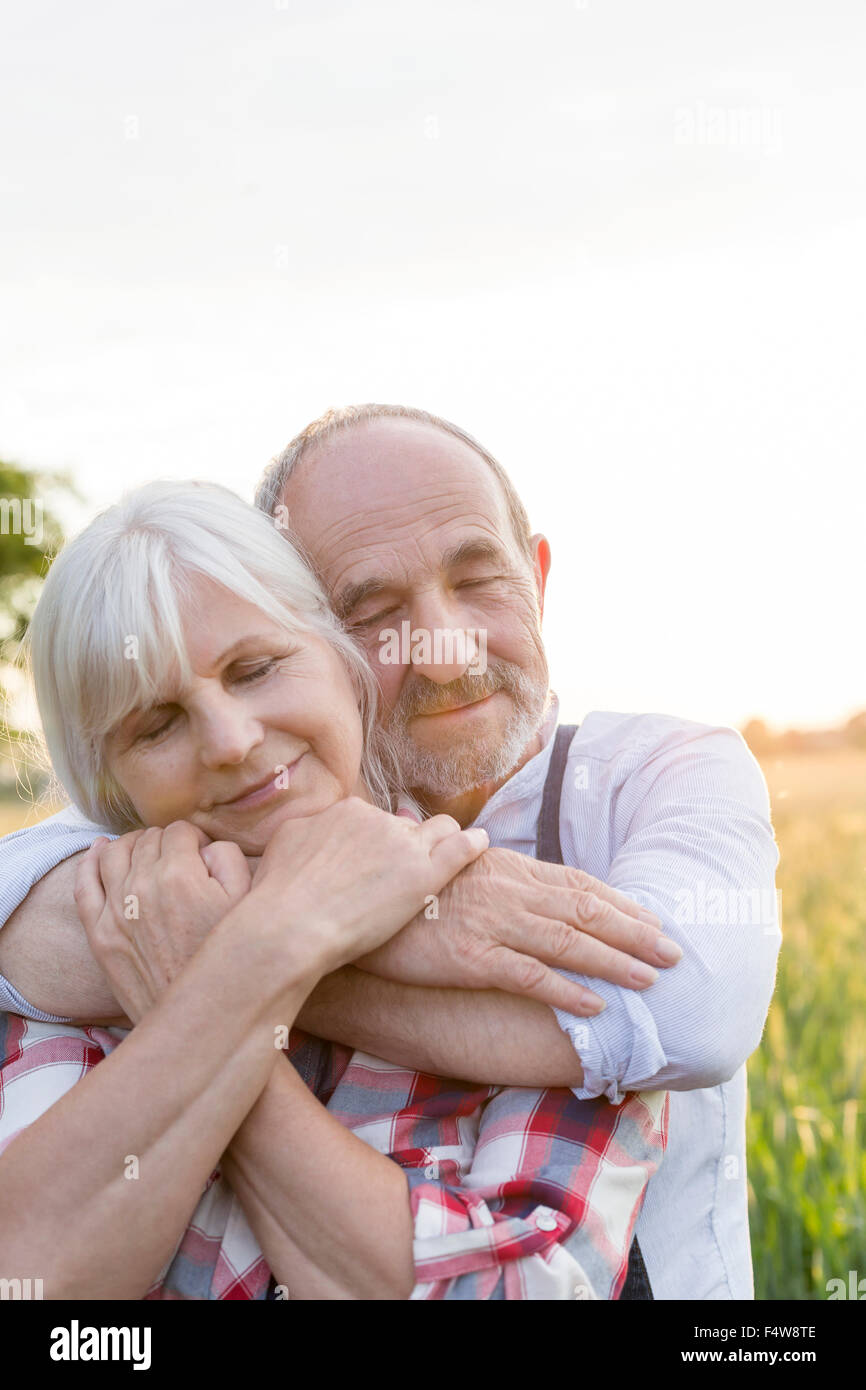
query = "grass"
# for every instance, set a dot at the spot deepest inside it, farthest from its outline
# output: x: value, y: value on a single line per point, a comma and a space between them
x: 806, y: 1129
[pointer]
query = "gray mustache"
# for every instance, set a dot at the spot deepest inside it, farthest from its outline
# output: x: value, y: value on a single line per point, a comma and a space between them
x: 424, y: 696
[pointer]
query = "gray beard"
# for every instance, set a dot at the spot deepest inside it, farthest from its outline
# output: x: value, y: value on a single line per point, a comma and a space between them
x: 470, y: 763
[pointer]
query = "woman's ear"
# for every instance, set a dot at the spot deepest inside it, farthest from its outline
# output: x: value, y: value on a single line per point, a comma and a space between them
x: 540, y: 566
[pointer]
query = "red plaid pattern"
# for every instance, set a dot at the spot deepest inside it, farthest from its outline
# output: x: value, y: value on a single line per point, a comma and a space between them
x: 515, y: 1193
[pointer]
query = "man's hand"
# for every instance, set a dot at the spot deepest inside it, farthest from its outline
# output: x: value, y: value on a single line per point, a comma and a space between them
x: 510, y: 922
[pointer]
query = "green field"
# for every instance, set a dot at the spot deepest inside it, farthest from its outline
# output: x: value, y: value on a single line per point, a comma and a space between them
x: 807, y: 1080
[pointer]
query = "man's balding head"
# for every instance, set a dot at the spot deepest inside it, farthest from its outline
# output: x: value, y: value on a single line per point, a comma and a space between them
x: 322, y: 431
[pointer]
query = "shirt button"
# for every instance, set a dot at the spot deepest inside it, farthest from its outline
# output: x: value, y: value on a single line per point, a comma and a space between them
x: 431, y: 1172
x: 546, y: 1221
x: 580, y: 1291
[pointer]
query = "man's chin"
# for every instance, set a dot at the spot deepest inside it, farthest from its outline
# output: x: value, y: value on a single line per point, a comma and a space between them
x: 463, y: 767
x: 454, y: 753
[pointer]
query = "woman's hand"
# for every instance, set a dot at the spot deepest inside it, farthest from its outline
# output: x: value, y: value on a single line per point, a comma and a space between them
x: 345, y: 880
x: 148, y: 900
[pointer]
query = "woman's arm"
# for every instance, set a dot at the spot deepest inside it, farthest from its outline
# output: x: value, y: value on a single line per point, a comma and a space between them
x: 331, y: 1215
x: 170, y: 1096
x: 208, y: 1002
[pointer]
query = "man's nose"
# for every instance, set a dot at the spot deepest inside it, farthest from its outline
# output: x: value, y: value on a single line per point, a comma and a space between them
x: 227, y: 730
x: 442, y: 649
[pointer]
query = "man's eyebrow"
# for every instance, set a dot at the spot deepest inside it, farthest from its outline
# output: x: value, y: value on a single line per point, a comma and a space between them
x: 469, y: 550
x: 354, y: 594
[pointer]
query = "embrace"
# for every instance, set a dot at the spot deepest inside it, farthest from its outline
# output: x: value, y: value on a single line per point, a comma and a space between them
x: 351, y: 972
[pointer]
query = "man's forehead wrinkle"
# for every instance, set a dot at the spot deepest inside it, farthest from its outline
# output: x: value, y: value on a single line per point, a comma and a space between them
x: 393, y: 522
x: 393, y: 476
x: 395, y: 538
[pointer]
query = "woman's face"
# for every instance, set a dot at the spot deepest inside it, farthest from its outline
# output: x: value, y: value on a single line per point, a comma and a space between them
x: 269, y: 729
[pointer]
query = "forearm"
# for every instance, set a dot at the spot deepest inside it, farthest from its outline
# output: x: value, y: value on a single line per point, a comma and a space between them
x: 331, y: 1214
x: 705, y: 864
x: 44, y: 952
x: 479, y: 1035
x: 484, y: 1035
x: 170, y: 1096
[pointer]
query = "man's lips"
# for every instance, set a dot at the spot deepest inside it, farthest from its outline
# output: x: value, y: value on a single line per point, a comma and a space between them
x: 255, y: 793
x: 463, y: 708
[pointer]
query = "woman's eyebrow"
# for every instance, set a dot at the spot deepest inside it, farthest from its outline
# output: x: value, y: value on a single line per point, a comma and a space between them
x: 252, y: 638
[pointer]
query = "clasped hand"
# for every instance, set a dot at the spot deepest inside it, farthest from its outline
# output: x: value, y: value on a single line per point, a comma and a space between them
x: 344, y: 885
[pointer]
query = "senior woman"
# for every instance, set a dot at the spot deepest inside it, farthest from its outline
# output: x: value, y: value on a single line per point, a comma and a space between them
x: 191, y: 680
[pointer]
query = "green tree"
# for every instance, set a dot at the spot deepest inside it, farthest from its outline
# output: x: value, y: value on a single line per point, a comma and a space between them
x: 30, y: 534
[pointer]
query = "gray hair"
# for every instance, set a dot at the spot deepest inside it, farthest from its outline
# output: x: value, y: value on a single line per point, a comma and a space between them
x: 128, y: 573
x: 270, y: 490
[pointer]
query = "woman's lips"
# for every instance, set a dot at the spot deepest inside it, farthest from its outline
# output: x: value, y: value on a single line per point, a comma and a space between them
x: 263, y: 791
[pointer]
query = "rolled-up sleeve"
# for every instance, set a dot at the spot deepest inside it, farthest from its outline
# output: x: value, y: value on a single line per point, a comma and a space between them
x: 692, y: 840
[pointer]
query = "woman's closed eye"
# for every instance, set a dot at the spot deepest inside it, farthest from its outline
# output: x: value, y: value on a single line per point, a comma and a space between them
x: 163, y: 722
x: 246, y: 677
x: 164, y: 717
x: 244, y: 673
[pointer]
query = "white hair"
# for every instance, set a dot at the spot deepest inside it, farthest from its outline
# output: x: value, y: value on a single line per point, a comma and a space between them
x: 126, y: 579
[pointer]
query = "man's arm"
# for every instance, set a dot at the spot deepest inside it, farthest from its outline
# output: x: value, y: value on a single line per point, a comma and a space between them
x: 491, y: 969
x: 476, y: 1035
x: 43, y: 949
x: 45, y: 956
x: 480, y: 1034
x: 693, y: 841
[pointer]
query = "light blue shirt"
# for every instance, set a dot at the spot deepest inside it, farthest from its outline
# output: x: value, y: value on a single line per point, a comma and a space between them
x: 676, y: 815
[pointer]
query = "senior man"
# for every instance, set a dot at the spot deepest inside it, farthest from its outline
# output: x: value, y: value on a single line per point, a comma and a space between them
x: 408, y: 520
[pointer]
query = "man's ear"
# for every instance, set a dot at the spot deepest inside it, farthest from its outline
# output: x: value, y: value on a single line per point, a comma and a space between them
x: 540, y: 566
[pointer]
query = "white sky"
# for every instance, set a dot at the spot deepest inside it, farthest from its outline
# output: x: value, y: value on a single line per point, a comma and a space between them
x: 621, y: 242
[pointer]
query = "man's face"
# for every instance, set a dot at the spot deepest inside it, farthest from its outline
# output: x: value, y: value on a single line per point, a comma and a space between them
x: 408, y: 525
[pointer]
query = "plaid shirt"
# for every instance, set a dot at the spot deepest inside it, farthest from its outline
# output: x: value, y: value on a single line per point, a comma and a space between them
x: 515, y: 1193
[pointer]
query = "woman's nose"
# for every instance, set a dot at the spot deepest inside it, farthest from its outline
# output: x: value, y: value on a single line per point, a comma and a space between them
x: 227, y: 731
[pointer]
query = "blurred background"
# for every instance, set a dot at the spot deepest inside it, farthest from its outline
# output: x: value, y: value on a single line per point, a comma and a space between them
x: 620, y: 243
